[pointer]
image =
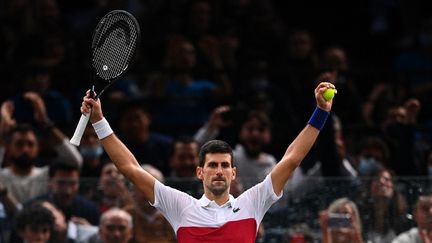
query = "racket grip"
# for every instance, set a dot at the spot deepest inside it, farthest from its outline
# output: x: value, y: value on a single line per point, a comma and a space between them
x: 79, y: 130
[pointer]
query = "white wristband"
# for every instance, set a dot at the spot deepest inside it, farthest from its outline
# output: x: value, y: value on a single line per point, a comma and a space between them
x: 102, y: 128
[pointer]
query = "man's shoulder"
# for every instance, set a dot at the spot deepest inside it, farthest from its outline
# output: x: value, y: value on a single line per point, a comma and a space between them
x: 37, y: 172
x: 160, y: 138
x: 410, y: 236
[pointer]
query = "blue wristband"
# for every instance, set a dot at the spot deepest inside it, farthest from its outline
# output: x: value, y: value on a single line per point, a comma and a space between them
x: 318, y: 118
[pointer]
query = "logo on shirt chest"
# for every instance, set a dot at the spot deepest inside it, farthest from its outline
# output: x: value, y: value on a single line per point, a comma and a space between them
x: 235, y: 210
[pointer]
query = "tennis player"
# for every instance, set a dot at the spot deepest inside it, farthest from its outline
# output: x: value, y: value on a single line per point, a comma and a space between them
x: 217, y: 216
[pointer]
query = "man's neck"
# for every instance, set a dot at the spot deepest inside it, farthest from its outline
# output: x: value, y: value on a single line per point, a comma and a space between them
x: 21, y: 171
x: 219, y: 200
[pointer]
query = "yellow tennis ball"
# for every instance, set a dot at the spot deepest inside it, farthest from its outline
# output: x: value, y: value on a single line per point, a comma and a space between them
x: 329, y: 94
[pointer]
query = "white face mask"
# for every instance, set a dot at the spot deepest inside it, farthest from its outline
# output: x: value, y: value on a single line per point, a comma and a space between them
x: 367, y: 166
x: 91, y: 152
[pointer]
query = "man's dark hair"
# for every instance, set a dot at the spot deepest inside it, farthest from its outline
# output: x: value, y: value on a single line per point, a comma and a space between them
x: 261, y: 116
x: 63, y: 166
x: 213, y: 147
x: 36, y: 216
x: 20, y: 128
x: 184, y: 140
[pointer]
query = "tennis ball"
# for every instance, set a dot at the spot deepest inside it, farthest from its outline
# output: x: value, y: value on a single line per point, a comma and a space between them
x: 329, y: 94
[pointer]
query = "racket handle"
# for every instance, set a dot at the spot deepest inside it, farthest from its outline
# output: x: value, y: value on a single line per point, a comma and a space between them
x: 79, y: 130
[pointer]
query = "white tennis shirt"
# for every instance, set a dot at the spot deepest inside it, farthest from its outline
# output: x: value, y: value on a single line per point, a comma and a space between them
x: 203, y: 220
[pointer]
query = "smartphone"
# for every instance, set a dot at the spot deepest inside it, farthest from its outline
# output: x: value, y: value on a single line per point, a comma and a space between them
x: 338, y: 220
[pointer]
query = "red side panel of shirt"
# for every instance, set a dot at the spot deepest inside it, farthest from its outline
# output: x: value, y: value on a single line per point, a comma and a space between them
x: 241, y: 231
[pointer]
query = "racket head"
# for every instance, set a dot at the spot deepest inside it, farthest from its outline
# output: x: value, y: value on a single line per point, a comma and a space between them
x: 115, y: 40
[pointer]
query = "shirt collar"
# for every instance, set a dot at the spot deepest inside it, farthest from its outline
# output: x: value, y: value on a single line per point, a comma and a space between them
x: 205, y: 202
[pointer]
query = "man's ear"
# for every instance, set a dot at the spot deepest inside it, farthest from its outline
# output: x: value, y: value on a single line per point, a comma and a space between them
x: 234, y: 171
x: 199, y: 172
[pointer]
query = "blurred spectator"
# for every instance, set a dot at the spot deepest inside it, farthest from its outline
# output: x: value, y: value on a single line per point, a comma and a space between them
x: 67, y: 231
x: 113, y: 192
x: 186, y: 99
x: 184, y: 161
x: 35, y: 223
x: 400, y: 132
x: 349, y: 99
x: 91, y: 150
x: 300, y: 66
x: 373, y: 154
x: 149, y: 223
x: 64, y: 185
x: 251, y: 160
x: 116, y: 226
x: 148, y: 147
x: 54, y: 145
x: 414, y: 67
x: 93, y: 162
x: 423, y: 218
x: 38, y: 79
x: 383, y: 207
x: 21, y: 176
x: 341, y: 222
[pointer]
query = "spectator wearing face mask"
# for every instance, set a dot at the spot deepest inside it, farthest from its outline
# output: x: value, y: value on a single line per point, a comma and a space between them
x: 373, y: 154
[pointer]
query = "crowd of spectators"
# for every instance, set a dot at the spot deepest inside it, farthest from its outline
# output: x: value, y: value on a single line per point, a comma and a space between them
x: 237, y: 70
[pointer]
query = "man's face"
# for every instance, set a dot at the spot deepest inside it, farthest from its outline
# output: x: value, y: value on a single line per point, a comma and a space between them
x: 90, y: 137
x: 217, y: 173
x: 115, y: 229
x: 254, y: 136
x: 135, y: 124
x: 185, y: 159
x: 423, y: 213
x: 23, y: 148
x: 39, y: 234
x: 64, y: 186
x: 111, y: 181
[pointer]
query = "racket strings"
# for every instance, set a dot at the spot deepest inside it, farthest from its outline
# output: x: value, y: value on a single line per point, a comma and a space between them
x: 115, y: 45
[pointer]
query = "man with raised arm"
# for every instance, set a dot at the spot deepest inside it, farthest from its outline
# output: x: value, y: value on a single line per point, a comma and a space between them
x: 217, y: 216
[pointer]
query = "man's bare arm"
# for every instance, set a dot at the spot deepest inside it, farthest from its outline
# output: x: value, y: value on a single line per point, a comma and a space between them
x: 119, y: 153
x: 301, y: 145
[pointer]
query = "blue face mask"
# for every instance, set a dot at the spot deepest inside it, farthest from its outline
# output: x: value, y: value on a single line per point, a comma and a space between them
x: 367, y: 166
x: 91, y: 152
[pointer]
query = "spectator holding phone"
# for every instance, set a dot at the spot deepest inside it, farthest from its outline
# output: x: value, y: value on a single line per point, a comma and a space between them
x: 341, y: 222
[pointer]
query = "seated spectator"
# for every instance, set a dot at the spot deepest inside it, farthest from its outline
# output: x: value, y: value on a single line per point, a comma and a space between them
x: 373, y: 154
x: 187, y: 99
x: 67, y: 231
x: 115, y: 227
x: 383, y: 207
x: 184, y: 161
x: 63, y: 193
x: 112, y: 189
x: 423, y: 217
x: 341, y: 223
x: 34, y: 223
x: 150, y: 225
x: 91, y: 150
x: 93, y: 162
x: 148, y: 147
x: 22, y: 177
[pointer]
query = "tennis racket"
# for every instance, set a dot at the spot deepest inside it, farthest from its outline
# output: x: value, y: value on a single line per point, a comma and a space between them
x: 115, y: 40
